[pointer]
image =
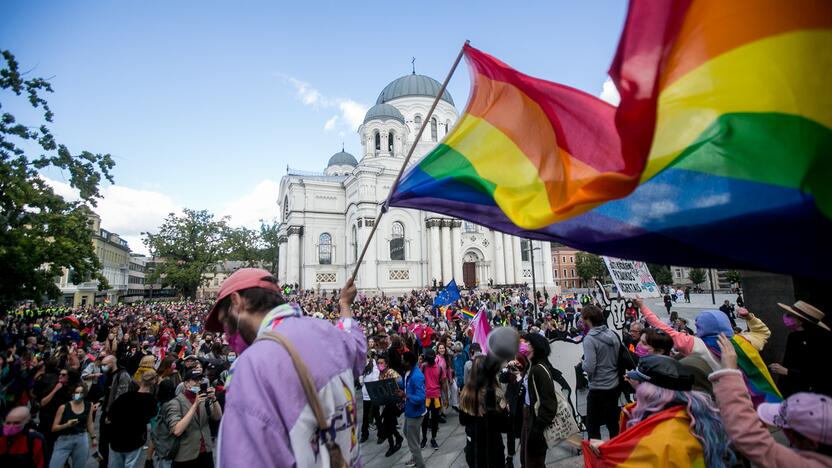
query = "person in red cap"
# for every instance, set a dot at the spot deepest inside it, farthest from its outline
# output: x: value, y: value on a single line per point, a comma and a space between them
x: 268, y: 420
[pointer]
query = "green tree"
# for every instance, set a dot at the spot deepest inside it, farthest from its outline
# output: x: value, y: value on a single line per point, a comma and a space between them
x: 269, y: 238
x: 191, y: 245
x: 41, y: 234
x: 590, y: 267
x: 254, y: 247
x: 661, y: 273
x: 697, y: 276
x: 733, y: 276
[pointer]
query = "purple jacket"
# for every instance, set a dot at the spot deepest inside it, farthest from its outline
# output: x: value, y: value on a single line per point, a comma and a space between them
x: 267, y: 420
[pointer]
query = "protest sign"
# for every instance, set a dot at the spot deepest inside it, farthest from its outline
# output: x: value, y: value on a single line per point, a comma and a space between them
x: 631, y: 278
x: 382, y: 392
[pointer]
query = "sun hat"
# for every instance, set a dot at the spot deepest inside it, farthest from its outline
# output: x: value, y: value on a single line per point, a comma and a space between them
x: 807, y: 312
x: 662, y: 371
x: 808, y: 414
x: 244, y: 278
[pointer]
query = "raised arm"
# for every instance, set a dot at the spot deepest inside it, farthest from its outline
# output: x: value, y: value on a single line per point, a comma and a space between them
x: 681, y: 341
x: 758, y: 333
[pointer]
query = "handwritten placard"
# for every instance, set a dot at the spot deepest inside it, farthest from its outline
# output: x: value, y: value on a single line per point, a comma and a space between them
x: 632, y: 278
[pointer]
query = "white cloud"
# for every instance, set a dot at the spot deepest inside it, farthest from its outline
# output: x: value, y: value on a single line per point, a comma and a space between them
x: 712, y: 200
x: 125, y: 211
x: 351, y: 112
x: 249, y: 209
x: 609, y: 92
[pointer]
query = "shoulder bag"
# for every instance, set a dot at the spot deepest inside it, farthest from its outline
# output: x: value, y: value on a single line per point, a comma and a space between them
x: 564, y: 424
x: 326, y: 434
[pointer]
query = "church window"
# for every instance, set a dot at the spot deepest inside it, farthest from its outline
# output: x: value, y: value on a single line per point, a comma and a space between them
x: 417, y: 121
x: 378, y: 141
x: 447, y: 127
x: 433, y: 128
x: 285, y: 208
x: 397, y: 242
x: 325, y: 249
x: 525, y: 245
x: 390, y: 138
x: 354, y: 243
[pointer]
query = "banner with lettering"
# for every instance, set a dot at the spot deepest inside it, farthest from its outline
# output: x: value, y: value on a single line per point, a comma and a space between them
x: 632, y: 278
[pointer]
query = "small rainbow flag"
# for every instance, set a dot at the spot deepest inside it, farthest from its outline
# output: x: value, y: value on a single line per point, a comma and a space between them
x: 757, y: 378
x: 467, y: 314
x: 647, y: 443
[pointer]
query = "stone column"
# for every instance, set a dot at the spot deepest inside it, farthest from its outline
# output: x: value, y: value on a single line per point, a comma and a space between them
x: 293, y: 257
x: 434, y: 252
x: 518, y: 262
x: 456, y: 249
x: 499, y: 268
x: 508, y: 258
x: 281, y: 259
x: 370, y: 266
x: 447, y: 266
x: 546, y: 253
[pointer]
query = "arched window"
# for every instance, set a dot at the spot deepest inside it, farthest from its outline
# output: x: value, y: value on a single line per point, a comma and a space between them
x: 447, y: 127
x: 354, y: 243
x: 524, y: 250
x: 285, y: 208
x: 433, y: 128
x: 378, y: 141
x: 417, y: 121
x: 390, y: 138
x: 325, y: 249
x: 397, y: 242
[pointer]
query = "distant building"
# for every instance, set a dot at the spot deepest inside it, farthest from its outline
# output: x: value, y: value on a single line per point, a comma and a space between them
x: 212, y: 280
x: 565, y: 268
x: 136, y: 276
x: 681, y: 277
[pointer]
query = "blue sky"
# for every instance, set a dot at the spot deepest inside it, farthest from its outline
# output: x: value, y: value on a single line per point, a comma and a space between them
x: 203, y: 104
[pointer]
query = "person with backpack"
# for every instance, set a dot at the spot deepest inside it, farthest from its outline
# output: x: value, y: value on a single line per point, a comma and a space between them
x: 601, y: 355
x: 165, y: 444
x: 20, y: 446
x: 129, y: 416
x: 118, y: 382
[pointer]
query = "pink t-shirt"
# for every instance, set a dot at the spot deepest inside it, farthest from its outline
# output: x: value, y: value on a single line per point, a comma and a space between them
x: 434, y: 375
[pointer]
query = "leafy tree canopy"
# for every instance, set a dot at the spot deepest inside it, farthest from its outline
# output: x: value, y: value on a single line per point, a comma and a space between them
x: 590, y: 266
x: 697, y: 276
x: 40, y: 232
x: 661, y: 273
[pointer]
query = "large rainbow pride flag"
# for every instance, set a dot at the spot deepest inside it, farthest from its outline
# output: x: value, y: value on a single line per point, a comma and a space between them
x: 720, y: 150
x: 663, y: 439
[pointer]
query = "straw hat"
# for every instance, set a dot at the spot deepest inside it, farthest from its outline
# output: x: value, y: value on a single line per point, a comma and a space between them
x: 807, y: 312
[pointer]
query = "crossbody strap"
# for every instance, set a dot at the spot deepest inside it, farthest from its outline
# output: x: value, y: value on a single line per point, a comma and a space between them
x: 304, y: 376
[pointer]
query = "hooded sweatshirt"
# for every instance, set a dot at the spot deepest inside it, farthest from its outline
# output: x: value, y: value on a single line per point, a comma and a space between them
x: 601, y: 358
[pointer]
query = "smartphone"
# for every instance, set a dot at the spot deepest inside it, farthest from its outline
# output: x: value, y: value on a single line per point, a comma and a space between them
x: 203, y: 388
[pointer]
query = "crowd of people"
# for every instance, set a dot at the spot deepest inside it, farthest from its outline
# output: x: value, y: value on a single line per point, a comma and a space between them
x: 272, y: 375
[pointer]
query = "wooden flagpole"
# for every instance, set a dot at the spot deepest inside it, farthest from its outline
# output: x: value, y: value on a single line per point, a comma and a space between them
x: 384, y: 206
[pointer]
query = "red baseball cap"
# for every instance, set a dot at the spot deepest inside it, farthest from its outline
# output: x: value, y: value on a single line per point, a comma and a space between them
x: 244, y: 278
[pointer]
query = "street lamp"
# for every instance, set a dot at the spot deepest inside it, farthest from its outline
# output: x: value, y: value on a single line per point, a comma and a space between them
x: 534, y: 282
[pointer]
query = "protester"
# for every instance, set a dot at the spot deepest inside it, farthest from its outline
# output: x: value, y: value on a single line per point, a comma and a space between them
x: 129, y: 416
x: 414, y: 407
x: 370, y: 411
x: 484, y: 414
x: 187, y: 416
x: 513, y: 377
x: 806, y: 420
x: 654, y: 341
x: 20, y: 445
x: 264, y: 396
x: 435, y: 378
x: 805, y: 366
x: 683, y: 425
x: 72, y: 425
x: 600, y: 363
x: 540, y: 402
x: 53, y: 391
x: 633, y: 336
x: 389, y: 415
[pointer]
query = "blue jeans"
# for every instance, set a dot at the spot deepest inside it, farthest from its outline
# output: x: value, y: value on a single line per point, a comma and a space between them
x: 71, y: 446
x: 124, y: 459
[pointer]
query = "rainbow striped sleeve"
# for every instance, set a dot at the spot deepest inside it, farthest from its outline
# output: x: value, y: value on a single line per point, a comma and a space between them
x: 721, y: 146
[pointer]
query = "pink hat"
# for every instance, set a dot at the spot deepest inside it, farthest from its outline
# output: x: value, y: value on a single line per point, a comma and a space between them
x: 244, y: 278
x: 809, y: 414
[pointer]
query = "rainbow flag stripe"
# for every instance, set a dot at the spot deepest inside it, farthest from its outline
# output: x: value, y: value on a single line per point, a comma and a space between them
x: 721, y: 146
x: 663, y: 439
x: 467, y: 313
x: 757, y: 378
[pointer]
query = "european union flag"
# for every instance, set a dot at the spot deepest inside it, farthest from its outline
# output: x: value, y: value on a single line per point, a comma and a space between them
x: 448, y: 295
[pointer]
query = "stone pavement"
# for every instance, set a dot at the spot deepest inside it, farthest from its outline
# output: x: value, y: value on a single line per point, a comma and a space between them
x: 451, y: 439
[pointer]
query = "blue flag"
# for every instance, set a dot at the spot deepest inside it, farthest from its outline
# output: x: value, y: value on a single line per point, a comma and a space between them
x: 449, y: 295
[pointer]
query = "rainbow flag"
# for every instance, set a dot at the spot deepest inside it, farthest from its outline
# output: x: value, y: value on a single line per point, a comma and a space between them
x: 761, y: 386
x: 719, y: 149
x: 663, y: 439
x: 467, y: 314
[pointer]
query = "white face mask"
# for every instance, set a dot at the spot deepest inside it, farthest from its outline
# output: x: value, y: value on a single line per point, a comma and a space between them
x: 77, y: 396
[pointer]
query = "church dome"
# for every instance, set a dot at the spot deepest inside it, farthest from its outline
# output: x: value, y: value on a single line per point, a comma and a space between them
x: 413, y: 85
x: 342, y: 158
x: 383, y: 112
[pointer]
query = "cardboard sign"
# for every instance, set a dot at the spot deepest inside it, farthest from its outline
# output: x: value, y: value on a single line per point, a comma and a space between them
x: 382, y: 392
x: 632, y: 278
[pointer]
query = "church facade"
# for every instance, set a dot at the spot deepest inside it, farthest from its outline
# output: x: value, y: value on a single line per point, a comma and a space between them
x: 326, y: 217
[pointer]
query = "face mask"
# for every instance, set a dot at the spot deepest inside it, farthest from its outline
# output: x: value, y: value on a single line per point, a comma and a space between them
x: 179, y: 339
x: 381, y: 367
x: 105, y: 369
x: 9, y: 431
x: 232, y: 358
x: 790, y: 322
x: 641, y: 350
x: 194, y: 390
x: 77, y: 396
x: 524, y: 349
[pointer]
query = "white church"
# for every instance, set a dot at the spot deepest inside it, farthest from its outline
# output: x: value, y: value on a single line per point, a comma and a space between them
x: 327, y: 216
